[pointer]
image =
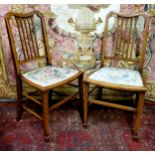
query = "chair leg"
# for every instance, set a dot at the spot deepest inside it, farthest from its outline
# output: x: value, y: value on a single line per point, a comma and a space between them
x: 137, y: 98
x: 81, y: 89
x: 46, y: 115
x: 138, y: 115
x: 99, y: 93
x: 85, y: 103
x: 19, y: 99
x: 50, y: 97
x: 19, y: 108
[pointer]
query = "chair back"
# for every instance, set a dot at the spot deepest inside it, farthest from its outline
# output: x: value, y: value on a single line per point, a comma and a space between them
x: 28, y: 40
x: 125, y: 40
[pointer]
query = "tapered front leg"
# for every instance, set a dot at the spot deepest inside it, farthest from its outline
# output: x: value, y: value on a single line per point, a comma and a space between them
x: 19, y: 107
x: 85, y: 103
x: 19, y: 99
x: 50, y: 97
x: 99, y: 93
x: 45, y: 107
x: 138, y: 115
x: 81, y: 89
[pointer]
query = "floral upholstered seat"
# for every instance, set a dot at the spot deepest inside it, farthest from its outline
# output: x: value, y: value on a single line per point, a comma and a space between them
x: 49, y: 75
x: 117, y: 76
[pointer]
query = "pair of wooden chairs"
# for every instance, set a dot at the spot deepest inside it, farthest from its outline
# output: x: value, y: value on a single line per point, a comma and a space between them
x: 123, y: 43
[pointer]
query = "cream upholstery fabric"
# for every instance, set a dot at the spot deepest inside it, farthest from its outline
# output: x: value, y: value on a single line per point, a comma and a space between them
x: 49, y: 75
x: 117, y: 76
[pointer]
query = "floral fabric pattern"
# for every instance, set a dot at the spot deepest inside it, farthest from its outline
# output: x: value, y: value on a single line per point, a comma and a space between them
x: 118, y: 76
x: 49, y: 75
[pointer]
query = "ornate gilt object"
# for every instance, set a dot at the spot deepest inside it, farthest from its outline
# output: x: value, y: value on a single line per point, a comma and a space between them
x: 85, y: 24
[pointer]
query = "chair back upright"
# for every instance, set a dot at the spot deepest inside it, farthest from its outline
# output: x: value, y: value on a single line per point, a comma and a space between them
x: 28, y: 39
x: 125, y: 40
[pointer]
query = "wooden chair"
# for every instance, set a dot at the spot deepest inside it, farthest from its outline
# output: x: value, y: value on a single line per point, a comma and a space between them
x: 28, y: 32
x: 122, y: 59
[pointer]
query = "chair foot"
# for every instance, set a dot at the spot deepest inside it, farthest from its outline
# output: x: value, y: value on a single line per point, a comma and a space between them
x: 135, y: 137
x: 47, y: 139
x: 85, y: 125
x: 19, y: 113
x: 18, y: 117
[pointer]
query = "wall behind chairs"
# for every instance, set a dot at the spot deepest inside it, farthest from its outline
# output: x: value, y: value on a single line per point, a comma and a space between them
x: 7, y: 76
x: 150, y: 52
x: 66, y: 47
x: 63, y: 45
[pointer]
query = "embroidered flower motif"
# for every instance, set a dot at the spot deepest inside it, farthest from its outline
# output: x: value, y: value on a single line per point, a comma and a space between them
x: 118, y: 76
x: 49, y: 75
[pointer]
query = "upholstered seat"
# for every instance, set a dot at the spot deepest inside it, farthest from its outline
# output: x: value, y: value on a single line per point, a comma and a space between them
x: 117, y: 76
x: 49, y: 75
